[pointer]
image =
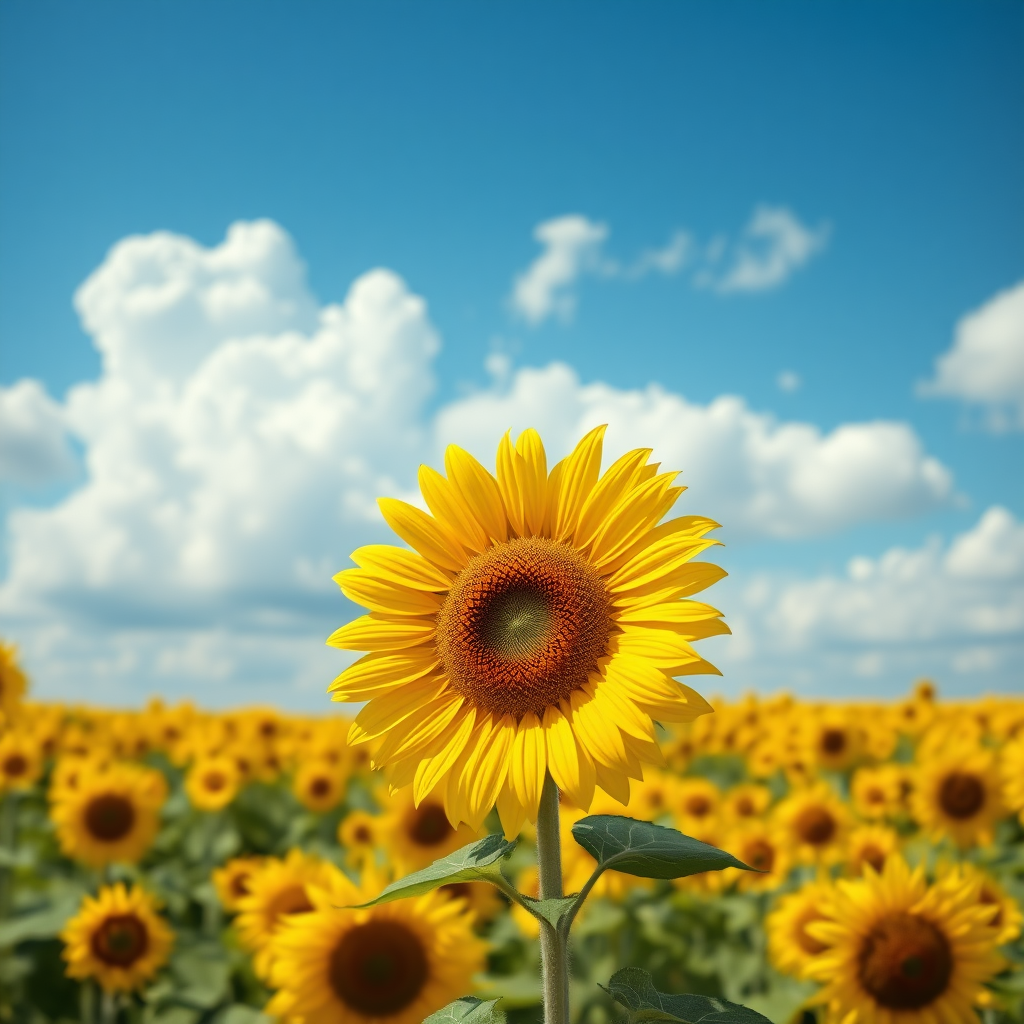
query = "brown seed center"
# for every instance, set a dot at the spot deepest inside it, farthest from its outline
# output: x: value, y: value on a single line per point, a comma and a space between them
x: 905, y: 962
x: 120, y: 940
x: 378, y: 968
x: 815, y: 825
x: 833, y: 741
x: 15, y: 765
x: 961, y: 795
x: 759, y: 854
x: 523, y: 626
x: 428, y: 825
x: 320, y: 787
x: 109, y: 817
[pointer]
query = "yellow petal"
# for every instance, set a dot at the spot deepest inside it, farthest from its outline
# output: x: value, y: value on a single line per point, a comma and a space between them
x: 577, y: 480
x: 418, y: 734
x: 571, y: 768
x: 385, y: 712
x: 431, y: 770
x: 683, y: 526
x: 617, y: 706
x: 508, y: 485
x: 660, y: 647
x: 510, y: 812
x: 377, y: 632
x: 364, y: 588
x: 423, y: 533
x: 668, y: 615
x: 377, y: 672
x: 528, y: 763
x: 613, y: 783
x: 658, y: 560
x: 634, y: 515
x: 478, y: 490
x: 448, y: 508
x: 406, y: 568
x: 454, y: 792
x: 600, y: 737
x: 691, y: 578
x: 532, y: 474
x: 606, y: 495
x: 485, y: 771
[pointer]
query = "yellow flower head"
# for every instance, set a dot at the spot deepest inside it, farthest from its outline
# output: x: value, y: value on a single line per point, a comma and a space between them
x: 536, y: 626
x: 1006, y: 917
x: 876, y: 792
x: 212, y: 782
x: 759, y: 844
x: 746, y: 801
x: 870, y: 845
x: 417, y: 836
x: 21, y: 761
x: 790, y: 945
x: 1012, y: 764
x: 118, y: 938
x: 360, y: 833
x: 111, y: 814
x: 697, y: 802
x: 319, y: 785
x: 232, y: 880
x: 958, y: 794
x: 396, y: 963
x: 902, y: 951
x: 816, y: 823
x: 13, y: 683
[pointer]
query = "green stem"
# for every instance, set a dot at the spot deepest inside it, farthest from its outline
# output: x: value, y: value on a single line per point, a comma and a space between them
x: 553, y: 943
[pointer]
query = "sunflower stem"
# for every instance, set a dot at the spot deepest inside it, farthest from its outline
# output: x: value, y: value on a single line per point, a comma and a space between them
x: 553, y: 943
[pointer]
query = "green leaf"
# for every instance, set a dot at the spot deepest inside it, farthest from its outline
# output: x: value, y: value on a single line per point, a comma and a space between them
x: 239, y: 1013
x: 478, y: 862
x: 647, y: 850
x: 44, y: 923
x: 635, y: 990
x: 468, y: 1010
x: 203, y: 976
x: 552, y: 910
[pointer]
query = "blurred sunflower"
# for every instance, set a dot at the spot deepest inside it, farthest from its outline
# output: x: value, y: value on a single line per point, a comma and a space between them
x: 360, y: 833
x: 758, y: 844
x: 417, y: 836
x: 654, y: 796
x: 1012, y: 765
x: 21, y: 761
x: 110, y: 815
x: 536, y: 626
x: 696, y: 802
x: 1006, y: 918
x: 118, y: 938
x: 278, y: 890
x: 875, y: 792
x: 232, y: 880
x: 816, y: 823
x: 318, y: 785
x: 746, y: 801
x: 871, y: 845
x: 790, y: 945
x: 212, y: 782
x: 13, y: 683
x: 397, y: 963
x: 958, y: 795
x: 899, y: 950
x: 833, y: 740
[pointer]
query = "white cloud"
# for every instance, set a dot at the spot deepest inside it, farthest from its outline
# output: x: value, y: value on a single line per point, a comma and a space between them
x: 33, y: 438
x: 986, y: 362
x: 668, y: 260
x: 760, y: 477
x: 788, y: 381
x: 774, y: 245
x: 239, y: 434
x: 572, y: 245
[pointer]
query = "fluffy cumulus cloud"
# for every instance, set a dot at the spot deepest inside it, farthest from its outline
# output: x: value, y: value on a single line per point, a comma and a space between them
x: 761, y: 477
x: 942, y: 606
x: 240, y: 431
x: 774, y: 244
x: 34, y: 445
x: 985, y: 365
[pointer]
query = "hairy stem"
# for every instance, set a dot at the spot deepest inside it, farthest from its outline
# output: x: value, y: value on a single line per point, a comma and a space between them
x: 553, y: 944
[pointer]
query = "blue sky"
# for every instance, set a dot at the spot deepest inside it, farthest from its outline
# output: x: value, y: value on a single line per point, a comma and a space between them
x: 433, y: 140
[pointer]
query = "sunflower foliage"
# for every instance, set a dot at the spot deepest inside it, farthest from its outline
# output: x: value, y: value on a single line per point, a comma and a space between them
x: 273, y: 874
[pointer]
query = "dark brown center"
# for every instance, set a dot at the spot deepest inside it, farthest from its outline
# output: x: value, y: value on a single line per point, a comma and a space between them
x: 109, y: 817
x: 523, y: 626
x: 320, y: 787
x: 292, y: 900
x: 120, y: 940
x: 905, y: 962
x: 759, y: 854
x: 15, y: 765
x: 961, y: 795
x: 874, y: 856
x: 698, y: 805
x: 378, y: 968
x: 214, y: 781
x: 815, y: 825
x: 833, y: 741
x: 428, y: 825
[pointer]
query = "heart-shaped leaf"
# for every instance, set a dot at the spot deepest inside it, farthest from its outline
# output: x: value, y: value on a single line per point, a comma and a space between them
x: 478, y: 862
x: 468, y: 1010
x: 635, y: 990
x: 647, y: 850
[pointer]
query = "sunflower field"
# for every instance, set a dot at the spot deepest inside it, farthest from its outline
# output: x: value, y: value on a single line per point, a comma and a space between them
x: 177, y: 866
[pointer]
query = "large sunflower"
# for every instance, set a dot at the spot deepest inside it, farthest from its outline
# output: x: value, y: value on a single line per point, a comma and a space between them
x: 536, y: 626
x: 903, y: 952
x: 117, y: 938
x: 111, y: 814
x: 397, y: 963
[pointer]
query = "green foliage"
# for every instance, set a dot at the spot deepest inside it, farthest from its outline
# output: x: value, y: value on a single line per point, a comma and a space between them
x: 468, y: 1010
x: 634, y: 989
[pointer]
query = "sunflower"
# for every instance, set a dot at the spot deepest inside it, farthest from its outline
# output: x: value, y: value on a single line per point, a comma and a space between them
x: 536, y: 627
x: 746, y: 801
x: 1007, y: 918
x: 653, y: 797
x: 212, y: 782
x: 118, y: 938
x: 232, y: 880
x: 482, y: 899
x: 875, y: 792
x: 12, y: 683
x: 833, y: 740
x: 958, y: 795
x: 319, y: 785
x: 360, y: 833
x: 397, y: 963
x: 278, y: 890
x: 758, y: 844
x: 21, y: 761
x: 870, y: 844
x: 790, y: 945
x: 903, y: 951
x: 696, y: 802
x: 417, y: 836
x: 816, y: 823
x: 1012, y: 764
x: 110, y: 815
